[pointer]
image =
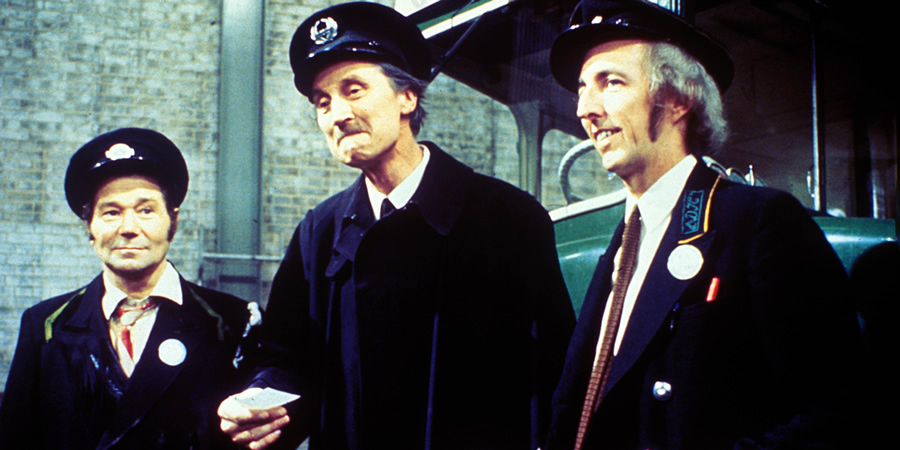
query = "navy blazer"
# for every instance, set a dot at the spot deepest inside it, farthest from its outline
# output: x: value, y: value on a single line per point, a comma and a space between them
x: 66, y: 390
x: 768, y: 361
x: 441, y: 326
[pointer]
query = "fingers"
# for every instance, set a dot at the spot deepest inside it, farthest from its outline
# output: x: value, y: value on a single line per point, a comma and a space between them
x: 252, y: 428
x: 265, y: 442
x: 262, y: 435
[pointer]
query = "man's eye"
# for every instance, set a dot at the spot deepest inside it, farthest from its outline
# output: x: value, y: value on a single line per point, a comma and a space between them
x: 322, y: 104
x: 146, y: 210
x: 110, y: 213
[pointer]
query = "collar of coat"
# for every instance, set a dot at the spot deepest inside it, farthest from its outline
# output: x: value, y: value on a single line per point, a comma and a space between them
x: 440, y: 197
x: 87, y: 315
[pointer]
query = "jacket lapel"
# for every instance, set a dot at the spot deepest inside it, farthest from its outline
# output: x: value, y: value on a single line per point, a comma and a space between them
x: 350, y: 226
x: 175, y: 326
x: 661, y: 291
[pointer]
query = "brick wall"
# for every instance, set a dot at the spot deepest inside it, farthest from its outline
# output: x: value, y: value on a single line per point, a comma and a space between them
x: 72, y: 69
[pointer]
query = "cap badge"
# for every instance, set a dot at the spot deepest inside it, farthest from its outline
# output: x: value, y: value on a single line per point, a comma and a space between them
x: 323, y: 31
x: 596, y: 20
x: 119, y: 151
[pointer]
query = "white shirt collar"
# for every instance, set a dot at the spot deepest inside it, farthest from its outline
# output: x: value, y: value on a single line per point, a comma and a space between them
x: 657, y: 203
x: 169, y: 287
x: 404, y: 191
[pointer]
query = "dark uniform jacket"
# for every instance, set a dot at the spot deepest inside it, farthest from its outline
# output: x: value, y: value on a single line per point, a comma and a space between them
x: 443, y: 325
x: 66, y: 389
x: 768, y: 361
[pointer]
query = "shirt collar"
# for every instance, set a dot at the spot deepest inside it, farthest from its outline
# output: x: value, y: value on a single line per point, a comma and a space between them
x: 404, y: 191
x: 168, y: 287
x: 657, y: 203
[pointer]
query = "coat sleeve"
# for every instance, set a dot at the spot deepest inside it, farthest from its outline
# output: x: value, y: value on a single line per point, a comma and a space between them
x: 554, y: 318
x: 277, y: 351
x: 802, y: 308
x: 20, y: 411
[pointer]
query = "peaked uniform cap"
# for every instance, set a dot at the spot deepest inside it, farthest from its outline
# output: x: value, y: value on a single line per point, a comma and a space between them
x: 595, y: 22
x: 357, y: 31
x: 124, y: 152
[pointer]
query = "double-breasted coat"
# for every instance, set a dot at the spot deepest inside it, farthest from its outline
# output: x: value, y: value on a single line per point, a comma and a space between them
x: 66, y: 389
x: 441, y: 326
x: 767, y: 361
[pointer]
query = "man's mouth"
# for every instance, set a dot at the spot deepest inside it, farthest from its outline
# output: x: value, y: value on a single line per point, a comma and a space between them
x: 349, y: 131
x: 603, y: 134
x: 129, y: 249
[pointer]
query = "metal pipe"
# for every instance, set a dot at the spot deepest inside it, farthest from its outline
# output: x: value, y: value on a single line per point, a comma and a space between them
x: 818, y: 123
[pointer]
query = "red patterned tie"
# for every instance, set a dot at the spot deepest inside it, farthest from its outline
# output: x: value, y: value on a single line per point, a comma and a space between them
x: 630, y: 244
x: 127, y: 314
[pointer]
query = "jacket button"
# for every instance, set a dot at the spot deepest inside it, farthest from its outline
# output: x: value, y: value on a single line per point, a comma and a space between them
x: 662, y: 391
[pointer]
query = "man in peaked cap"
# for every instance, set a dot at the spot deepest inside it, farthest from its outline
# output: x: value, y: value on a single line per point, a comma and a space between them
x: 718, y: 316
x: 422, y: 307
x: 140, y: 357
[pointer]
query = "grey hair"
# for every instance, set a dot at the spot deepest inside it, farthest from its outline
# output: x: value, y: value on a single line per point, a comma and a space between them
x: 402, y: 81
x: 675, y: 76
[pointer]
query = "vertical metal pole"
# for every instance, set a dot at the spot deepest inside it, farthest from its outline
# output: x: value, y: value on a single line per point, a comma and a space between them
x: 531, y: 136
x: 818, y: 123
x: 240, y: 123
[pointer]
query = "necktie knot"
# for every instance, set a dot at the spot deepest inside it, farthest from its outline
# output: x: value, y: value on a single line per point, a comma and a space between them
x: 129, y: 311
x: 386, y: 208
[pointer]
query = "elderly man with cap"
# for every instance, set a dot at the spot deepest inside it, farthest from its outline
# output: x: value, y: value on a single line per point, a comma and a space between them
x: 422, y: 307
x: 138, y: 358
x: 718, y: 317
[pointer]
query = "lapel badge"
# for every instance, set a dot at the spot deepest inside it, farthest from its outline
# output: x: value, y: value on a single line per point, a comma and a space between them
x: 691, y: 212
x: 323, y: 31
x: 172, y: 352
x: 119, y: 151
x: 685, y: 262
x: 596, y: 20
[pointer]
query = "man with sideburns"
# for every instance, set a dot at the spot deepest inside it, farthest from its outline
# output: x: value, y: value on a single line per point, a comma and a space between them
x: 140, y: 357
x: 719, y: 315
x: 422, y: 307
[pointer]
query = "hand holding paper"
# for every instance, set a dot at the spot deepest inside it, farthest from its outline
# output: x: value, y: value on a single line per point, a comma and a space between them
x: 254, y: 418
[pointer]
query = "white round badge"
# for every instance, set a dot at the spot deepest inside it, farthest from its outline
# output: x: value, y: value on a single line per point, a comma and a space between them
x: 685, y: 262
x: 172, y: 352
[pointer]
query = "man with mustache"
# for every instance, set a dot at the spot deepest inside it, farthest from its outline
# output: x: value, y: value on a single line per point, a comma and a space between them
x: 719, y: 315
x: 422, y: 307
x: 140, y: 357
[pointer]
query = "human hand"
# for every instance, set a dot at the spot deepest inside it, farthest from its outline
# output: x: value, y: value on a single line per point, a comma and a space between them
x: 253, y: 428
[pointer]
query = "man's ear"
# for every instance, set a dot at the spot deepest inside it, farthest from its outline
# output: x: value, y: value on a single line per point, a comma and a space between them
x: 173, y: 227
x: 677, y: 111
x: 408, y: 102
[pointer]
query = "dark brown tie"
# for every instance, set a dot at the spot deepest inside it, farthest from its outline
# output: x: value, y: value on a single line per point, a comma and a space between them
x: 630, y: 244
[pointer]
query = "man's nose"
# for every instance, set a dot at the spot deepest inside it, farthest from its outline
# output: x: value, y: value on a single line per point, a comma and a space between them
x: 341, y: 110
x: 590, y: 104
x: 129, y: 223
